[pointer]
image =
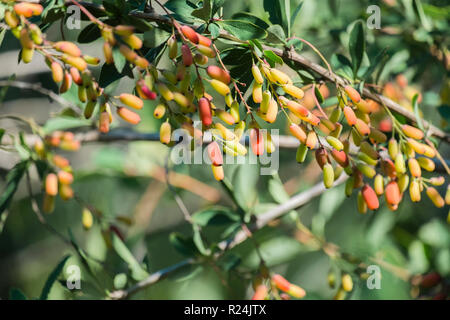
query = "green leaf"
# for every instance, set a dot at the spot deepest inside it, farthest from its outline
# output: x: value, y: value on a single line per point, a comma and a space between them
x: 245, y: 16
x: 418, y: 259
x: 119, y: 59
x: 52, y: 278
x: 182, y: 9
x: 17, y: 294
x: 214, y: 216
x: 108, y: 75
x: 435, y: 233
x: 276, y: 189
x: 418, y: 9
x: 90, y: 33
x: 296, y: 12
x: 279, y: 13
x: 357, y: 45
x: 244, y: 182
x: 198, y: 241
x: 214, y: 29
x: 272, y: 58
x: 204, y: 12
x: 416, y: 109
x: 318, y: 95
x: 120, y: 281
x: 183, y: 245
x: 243, y: 30
x: 276, y: 35
x: 12, y: 182
x: 137, y: 272
x: 64, y: 123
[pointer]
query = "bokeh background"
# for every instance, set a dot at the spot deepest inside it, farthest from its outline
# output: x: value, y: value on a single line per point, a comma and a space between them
x: 128, y: 180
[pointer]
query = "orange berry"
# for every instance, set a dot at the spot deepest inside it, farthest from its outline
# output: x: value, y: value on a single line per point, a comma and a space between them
x: 76, y: 62
x: 412, y: 132
x: 350, y: 116
x: 51, y: 184
x: 296, y: 291
x: 260, y: 292
x: 67, y: 47
x: 362, y: 127
x: 67, y: 82
x: 190, y: 34
x: 352, y: 93
x: 104, y: 122
x: 414, y: 168
x: 65, y: 177
x: 65, y: 192
x: 60, y: 161
x: 218, y: 74
x: 128, y: 115
x: 340, y: 157
x: 76, y: 77
x: 392, y: 193
x: 131, y: 100
x: 298, y: 132
x: 281, y: 283
x: 215, y: 154
x: 370, y: 197
x: 128, y: 53
x: 311, y: 140
x: 28, y: 9
x: 435, y: 197
x: 204, y: 40
x: 57, y: 71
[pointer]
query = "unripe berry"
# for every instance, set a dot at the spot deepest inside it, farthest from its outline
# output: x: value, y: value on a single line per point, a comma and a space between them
x: 347, y: 282
x: 225, y: 117
x: 28, y: 9
x: 335, y: 143
x: 364, y: 107
x: 414, y: 191
x: 364, y: 157
x: 272, y: 112
x: 311, y: 140
x: 256, y: 141
x: 302, y: 151
x: 356, y: 137
x: 328, y: 175
x: 164, y: 91
x: 68, y: 48
x: 377, y: 136
x: 165, y: 132
x: 220, y: 87
x: 400, y: 163
x: 51, y: 184
x: 159, y: 111
x: 392, y: 193
x: 437, y: 181
x: 280, y: 76
x: 25, y: 40
x: 173, y: 47
x: 181, y: 100
x: 67, y: 82
x: 362, y: 127
x: 27, y: 55
x: 123, y: 30
x: 378, y: 184
x: 370, y: 197
x: 215, y: 154
x: 131, y: 100
x: 352, y: 93
x: 87, y: 219
x: 133, y: 41
x: 11, y: 19
x: 336, y: 114
x: 207, y: 51
x: 366, y: 148
x: 296, y: 291
x: 393, y: 148
x: 218, y: 172
x: 186, y: 55
x: 219, y: 74
x: 416, y: 146
x: 257, y: 75
x: 366, y: 170
x: 293, y: 91
x: 266, y: 98
x: 128, y: 115
x: 190, y: 34
x: 414, y: 168
x: 435, y: 197
x: 447, y: 195
x: 340, y: 157
x: 349, y: 186
x: 235, y: 147
x: 204, y: 109
x: 48, y: 205
x: 298, y: 132
x: 200, y: 59
x: 403, y: 182
x: 234, y: 111
x: 361, y: 204
x: 350, y: 116
x: 412, y: 132
x: 76, y: 62
x: 65, y: 192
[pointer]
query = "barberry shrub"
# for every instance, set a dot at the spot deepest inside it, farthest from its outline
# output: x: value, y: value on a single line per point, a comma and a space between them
x: 227, y: 81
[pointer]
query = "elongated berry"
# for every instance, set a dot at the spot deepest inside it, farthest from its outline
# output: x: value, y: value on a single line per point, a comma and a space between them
x: 131, y: 100
x: 67, y: 82
x: 25, y: 39
x: 272, y: 112
x: 437, y: 181
x: 362, y: 127
x: 361, y: 203
x: 145, y: 92
x: 207, y: 51
x: 266, y: 98
x: 65, y: 192
x: 87, y: 219
x: 11, y: 19
x: 281, y: 283
x: 128, y: 115
x: 366, y: 148
x: 349, y: 186
x: 164, y: 91
x: 51, y: 184
x: 400, y: 163
x: 296, y: 291
x: 353, y: 94
x: 350, y: 116
x: 27, y: 55
x: 370, y: 197
x: 414, y: 168
x: 234, y: 111
x: 204, y: 109
x: 133, y: 41
x: 225, y: 117
x: 393, y: 148
x: 435, y: 197
x: 321, y: 157
x: 190, y: 34
x: 298, y: 132
x: 257, y: 93
x: 302, y: 152
x: 205, y: 41
x: 328, y: 175
x: 414, y: 191
x: 260, y: 292
x: 280, y: 76
x: 65, y: 177
x: 311, y: 140
x: 28, y: 9
x: 416, y: 146
x: 364, y: 157
x: 340, y: 157
x: 220, y: 87
x: 165, y: 132
x: 403, y: 182
x: 366, y: 170
x: 235, y: 146
x: 392, y: 193
x: 219, y: 74
x: 57, y: 71
x: 215, y: 154
x: 76, y: 62
x: 181, y: 99
x: 377, y: 136
x: 257, y: 75
x: 412, y: 132
x: 378, y: 184
x: 218, y: 173
x: 292, y: 90
x: 67, y: 47
x: 447, y: 195
x: 335, y: 143
x: 297, y: 108
x: 347, y: 282
x: 257, y: 141
x: 123, y: 30
x: 186, y: 55
x: 103, y: 122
